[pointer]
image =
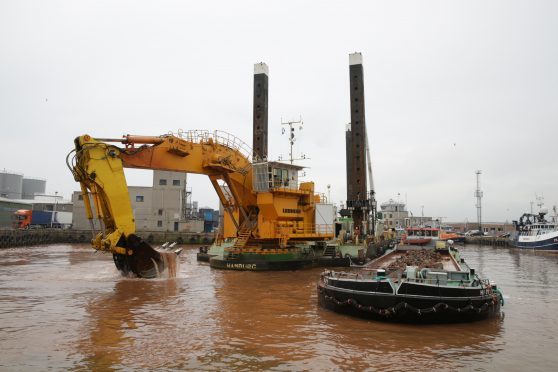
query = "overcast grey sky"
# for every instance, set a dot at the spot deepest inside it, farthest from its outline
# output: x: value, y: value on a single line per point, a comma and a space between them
x: 450, y: 87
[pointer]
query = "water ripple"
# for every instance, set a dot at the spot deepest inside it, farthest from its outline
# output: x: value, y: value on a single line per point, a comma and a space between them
x: 65, y: 307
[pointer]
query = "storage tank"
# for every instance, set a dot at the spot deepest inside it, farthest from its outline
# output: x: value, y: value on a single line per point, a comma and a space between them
x: 32, y: 186
x: 10, y: 185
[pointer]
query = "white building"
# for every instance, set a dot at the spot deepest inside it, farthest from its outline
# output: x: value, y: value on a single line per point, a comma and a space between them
x: 161, y: 207
x: 395, y: 215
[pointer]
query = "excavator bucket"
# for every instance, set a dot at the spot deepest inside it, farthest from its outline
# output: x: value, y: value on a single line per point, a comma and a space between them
x: 145, y: 261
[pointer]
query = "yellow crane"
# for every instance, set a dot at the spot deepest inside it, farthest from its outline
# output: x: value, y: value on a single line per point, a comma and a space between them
x: 266, y: 207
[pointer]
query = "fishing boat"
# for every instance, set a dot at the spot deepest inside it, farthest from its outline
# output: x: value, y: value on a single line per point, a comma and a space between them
x: 535, y: 232
x: 411, y: 284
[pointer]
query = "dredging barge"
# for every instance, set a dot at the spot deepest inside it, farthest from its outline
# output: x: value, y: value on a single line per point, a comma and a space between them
x: 331, y: 253
x: 412, y: 285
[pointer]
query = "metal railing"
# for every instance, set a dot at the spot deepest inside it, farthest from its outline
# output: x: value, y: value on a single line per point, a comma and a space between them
x: 306, y: 229
x: 436, y: 281
x: 223, y: 138
x: 362, y: 274
x: 371, y: 274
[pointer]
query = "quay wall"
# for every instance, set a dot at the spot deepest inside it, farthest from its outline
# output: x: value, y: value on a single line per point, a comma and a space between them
x: 488, y: 240
x: 20, y: 238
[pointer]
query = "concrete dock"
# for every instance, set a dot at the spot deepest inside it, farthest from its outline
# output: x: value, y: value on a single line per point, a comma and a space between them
x: 19, y: 238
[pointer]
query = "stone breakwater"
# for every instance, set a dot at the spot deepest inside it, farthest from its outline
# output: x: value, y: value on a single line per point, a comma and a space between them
x: 20, y: 238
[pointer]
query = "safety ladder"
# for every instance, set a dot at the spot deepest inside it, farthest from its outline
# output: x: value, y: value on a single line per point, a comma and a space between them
x: 329, y: 251
x: 242, y: 239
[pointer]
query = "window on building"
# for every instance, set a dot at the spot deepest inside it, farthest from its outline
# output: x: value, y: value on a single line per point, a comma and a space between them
x: 162, y: 182
x: 80, y: 197
x: 159, y: 223
x: 160, y: 212
x: 139, y: 198
x: 176, y: 182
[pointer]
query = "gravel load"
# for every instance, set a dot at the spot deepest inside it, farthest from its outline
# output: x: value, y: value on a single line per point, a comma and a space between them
x: 420, y: 258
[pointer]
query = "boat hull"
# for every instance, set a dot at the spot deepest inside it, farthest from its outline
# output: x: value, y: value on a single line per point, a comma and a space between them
x: 302, y: 256
x: 544, y: 244
x: 408, y: 308
x: 268, y: 263
x: 259, y: 264
x: 204, y: 257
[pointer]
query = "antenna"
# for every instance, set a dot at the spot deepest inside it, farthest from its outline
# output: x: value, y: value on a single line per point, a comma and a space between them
x: 291, y: 136
x: 540, y: 201
x: 478, y: 195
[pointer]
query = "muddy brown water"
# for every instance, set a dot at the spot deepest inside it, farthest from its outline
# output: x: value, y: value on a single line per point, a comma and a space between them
x: 66, y: 308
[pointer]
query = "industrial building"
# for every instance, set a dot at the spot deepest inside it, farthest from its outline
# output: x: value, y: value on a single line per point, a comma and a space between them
x: 395, y: 215
x: 165, y: 206
x: 19, y: 192
x: 488, y: 228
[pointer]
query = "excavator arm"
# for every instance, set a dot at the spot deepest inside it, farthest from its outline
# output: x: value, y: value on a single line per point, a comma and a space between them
x: 99, y: 165
x: 99, y: 170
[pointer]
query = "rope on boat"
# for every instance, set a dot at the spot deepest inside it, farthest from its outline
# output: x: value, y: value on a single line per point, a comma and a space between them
x: 406, y: 306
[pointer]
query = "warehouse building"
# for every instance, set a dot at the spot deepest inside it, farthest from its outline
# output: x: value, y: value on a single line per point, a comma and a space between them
x: 164, y: 206
x: 19, y: 192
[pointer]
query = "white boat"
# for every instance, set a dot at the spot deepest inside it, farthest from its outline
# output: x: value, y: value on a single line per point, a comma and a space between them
x: 534, y: 231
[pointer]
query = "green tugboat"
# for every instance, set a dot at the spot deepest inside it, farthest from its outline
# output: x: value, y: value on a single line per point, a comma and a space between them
x: 420, y: 285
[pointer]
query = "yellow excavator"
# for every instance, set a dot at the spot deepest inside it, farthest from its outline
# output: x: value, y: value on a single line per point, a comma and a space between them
x: 267, y: 209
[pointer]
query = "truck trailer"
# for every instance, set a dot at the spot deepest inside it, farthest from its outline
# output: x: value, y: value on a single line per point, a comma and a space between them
x: 25, y: 219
